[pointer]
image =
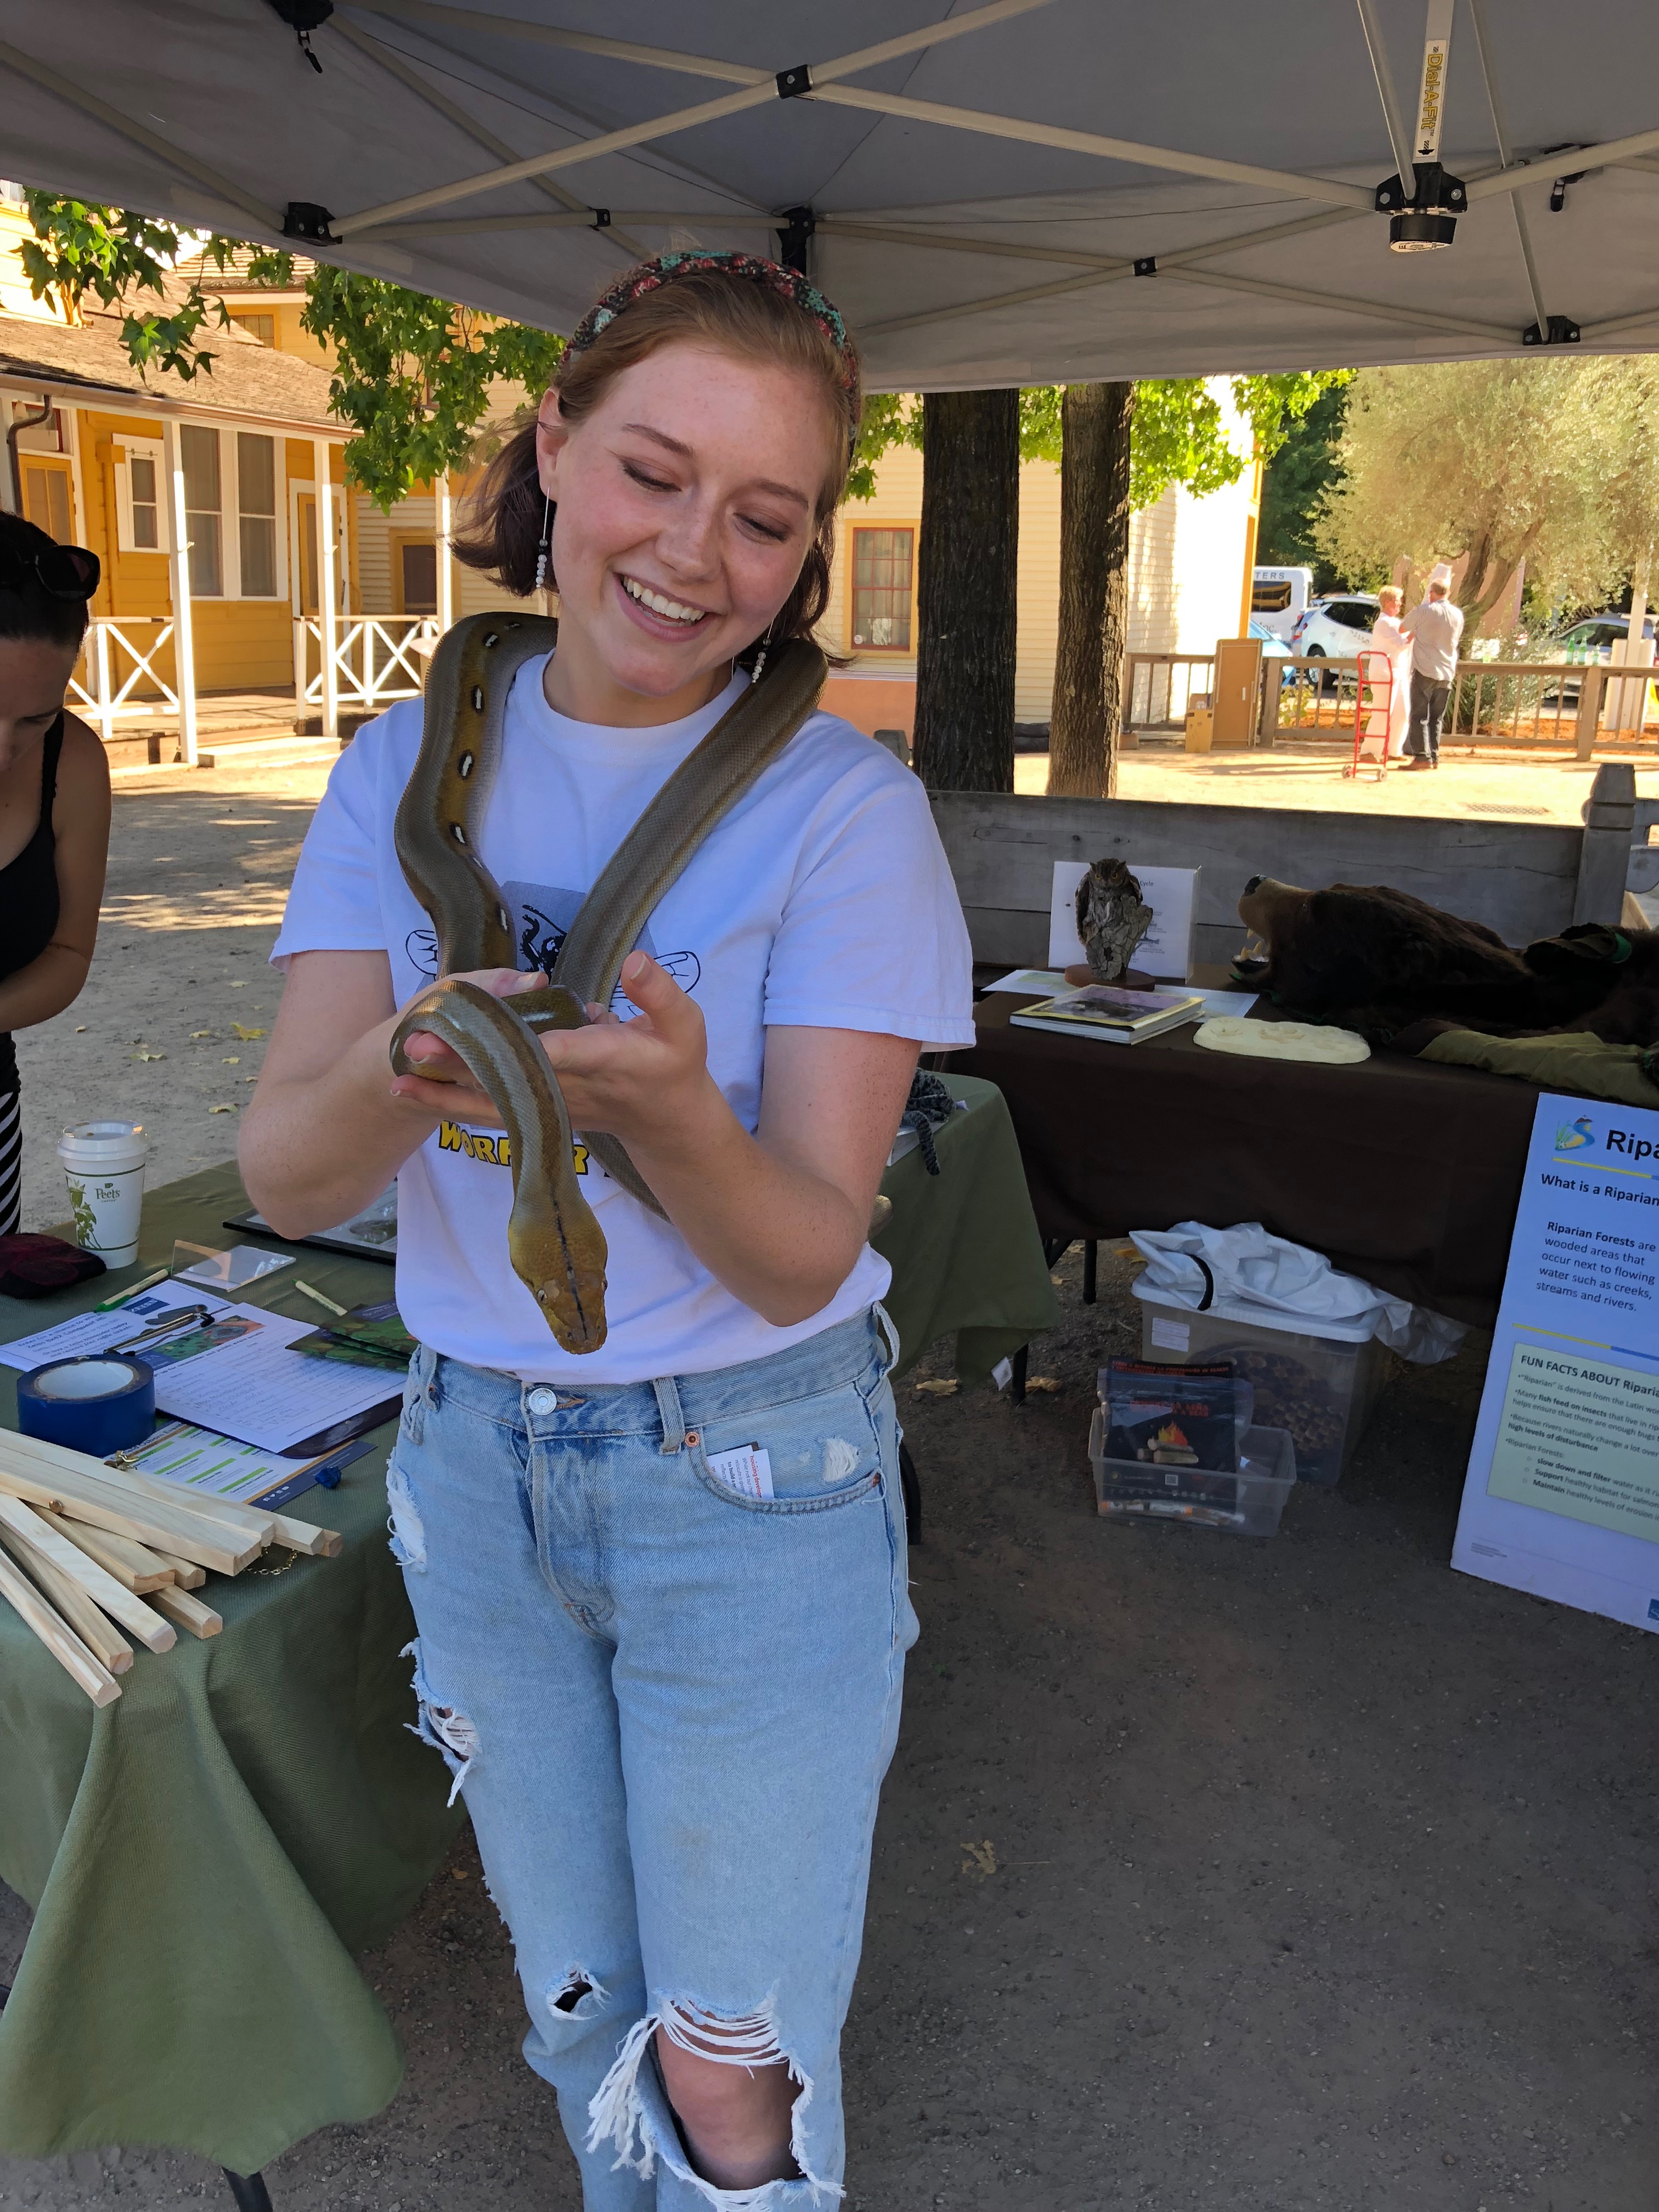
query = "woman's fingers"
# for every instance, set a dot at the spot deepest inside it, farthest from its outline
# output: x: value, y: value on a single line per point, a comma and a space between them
x: 449, y: 1101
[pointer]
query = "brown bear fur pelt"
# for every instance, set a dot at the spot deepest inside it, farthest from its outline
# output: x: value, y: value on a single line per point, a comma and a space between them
x: 1381, y: 961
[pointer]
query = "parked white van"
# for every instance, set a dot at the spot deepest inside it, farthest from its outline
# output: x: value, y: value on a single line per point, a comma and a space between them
x: 1278, y: 598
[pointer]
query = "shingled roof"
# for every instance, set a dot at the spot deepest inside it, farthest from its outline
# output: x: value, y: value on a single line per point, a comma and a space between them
x: 246, y: 379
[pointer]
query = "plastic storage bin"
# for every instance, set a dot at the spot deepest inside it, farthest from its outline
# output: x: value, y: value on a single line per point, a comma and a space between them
x: 1318, y: 1388
x: 1249, y: 1503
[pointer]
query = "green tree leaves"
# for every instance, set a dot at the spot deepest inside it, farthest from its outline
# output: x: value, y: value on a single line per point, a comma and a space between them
x: 1551, y: 462
x: 80, y: 247
x: 1180, y: 435
x: 413, y: 375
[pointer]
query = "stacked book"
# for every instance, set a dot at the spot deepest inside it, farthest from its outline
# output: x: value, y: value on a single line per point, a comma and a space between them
x: 1108, y: 1010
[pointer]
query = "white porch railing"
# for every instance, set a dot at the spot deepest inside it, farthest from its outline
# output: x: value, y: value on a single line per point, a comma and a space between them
x: 105, y: 687
x: 377, y: 658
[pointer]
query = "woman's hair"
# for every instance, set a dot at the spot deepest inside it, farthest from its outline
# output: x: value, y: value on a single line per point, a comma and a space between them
x: 1391, y: 592
x: 27, y: 608
x: 731, y: 304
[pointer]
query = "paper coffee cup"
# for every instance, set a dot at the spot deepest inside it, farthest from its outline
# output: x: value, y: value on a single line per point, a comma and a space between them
x: 104, y: 1169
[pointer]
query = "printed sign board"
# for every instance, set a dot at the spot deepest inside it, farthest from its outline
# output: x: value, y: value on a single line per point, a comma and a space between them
x: 1166, y: 952
x: 1561, y: 1496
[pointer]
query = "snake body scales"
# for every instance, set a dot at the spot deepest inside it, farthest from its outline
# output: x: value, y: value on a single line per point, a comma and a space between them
x: 557, y: 1247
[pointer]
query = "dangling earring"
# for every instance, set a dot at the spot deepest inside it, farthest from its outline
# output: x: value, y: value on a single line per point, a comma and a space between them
x: 766, y: 646
x: 544, y: 548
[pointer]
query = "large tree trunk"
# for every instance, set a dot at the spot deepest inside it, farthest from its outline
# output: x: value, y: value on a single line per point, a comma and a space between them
x: 965, y: 600
x: 1094, y: 590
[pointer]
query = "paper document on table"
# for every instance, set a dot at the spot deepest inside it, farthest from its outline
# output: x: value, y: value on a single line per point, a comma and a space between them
x: 232, y: 1371
x: 254, y: 1388
x: 200, y: 1459
x: 1050, y: 982
x: 103, y: 1332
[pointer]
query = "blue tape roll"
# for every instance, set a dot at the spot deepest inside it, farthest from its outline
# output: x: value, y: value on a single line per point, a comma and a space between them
x: 100, y: 1403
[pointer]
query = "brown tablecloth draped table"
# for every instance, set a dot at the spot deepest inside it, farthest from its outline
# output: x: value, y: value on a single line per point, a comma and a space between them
x: 1406, y: 1173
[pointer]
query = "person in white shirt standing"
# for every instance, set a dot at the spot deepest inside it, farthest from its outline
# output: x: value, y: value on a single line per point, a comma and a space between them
x: 1435, y: 627
x: 660, y: 1588
x: 1387, y: 637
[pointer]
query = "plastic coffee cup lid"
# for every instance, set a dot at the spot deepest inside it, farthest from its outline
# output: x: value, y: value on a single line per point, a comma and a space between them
x: 94, y: 1139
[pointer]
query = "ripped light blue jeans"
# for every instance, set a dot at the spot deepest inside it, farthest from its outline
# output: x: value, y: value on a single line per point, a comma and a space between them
x: 669, y: 1703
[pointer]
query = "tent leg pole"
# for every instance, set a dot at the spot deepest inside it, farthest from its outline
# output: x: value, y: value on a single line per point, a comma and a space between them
x: 249, y: 2190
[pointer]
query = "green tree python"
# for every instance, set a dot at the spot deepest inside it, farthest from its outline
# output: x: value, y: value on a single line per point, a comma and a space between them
x: 557, y: 1247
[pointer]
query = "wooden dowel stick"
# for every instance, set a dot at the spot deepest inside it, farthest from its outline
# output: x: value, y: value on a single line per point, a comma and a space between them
x: 189, y: 1612
x: 132, y: 1566
x: 99, y: 1482
x: 102, y: 1638
x: 103, y: 1588
x: 149, y: 1524
x: 301, y: 1536
x: 65, y: 1645
x: 37, y: 1452
x: 186, y: 1572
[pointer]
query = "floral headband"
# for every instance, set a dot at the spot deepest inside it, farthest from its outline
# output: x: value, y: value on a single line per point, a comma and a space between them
x: 649, y: 276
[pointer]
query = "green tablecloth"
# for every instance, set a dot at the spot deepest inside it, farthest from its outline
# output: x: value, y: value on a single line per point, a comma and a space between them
x: 963, y: 1244
x: 204, y: 1854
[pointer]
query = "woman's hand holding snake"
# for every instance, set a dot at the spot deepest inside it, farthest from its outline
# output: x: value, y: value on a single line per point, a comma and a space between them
x: 645, y: 1080
x: 449, y: 1090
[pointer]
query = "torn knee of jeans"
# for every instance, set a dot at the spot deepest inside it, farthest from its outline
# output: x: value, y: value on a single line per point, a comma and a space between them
x: 579, y: 1995
x: 619, y: 2112
x: 407, y: 1530
x: 447, y: 1730
x: 750, y: 2039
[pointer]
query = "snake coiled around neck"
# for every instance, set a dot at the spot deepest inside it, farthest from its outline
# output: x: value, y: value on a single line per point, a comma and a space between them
x: 555, y: 1246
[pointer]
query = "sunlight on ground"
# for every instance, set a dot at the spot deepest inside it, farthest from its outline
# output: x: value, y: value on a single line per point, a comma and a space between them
x: 1496, y: 785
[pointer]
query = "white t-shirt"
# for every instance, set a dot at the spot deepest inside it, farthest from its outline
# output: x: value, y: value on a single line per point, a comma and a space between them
x: 823, y: 900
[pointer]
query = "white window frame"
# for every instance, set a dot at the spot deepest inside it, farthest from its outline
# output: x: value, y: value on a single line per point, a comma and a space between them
x: 148, y: 449
x: 230, y: 476
x: 230, y: 511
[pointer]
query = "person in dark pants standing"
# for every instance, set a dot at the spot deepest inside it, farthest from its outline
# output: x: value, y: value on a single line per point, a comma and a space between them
x: 1435, y: 627
x: 54, y: 806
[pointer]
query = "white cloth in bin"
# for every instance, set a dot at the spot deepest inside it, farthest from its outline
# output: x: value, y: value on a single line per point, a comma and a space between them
x: 1255, y: 1277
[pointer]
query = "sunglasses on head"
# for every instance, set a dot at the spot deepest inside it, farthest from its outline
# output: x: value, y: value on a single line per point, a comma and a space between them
x: 64, y: 571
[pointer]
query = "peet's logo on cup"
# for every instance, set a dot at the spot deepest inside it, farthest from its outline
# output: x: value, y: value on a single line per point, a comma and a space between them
x: 1575, y: 1136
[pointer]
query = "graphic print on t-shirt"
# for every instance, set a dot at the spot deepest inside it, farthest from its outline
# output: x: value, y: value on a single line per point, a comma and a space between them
x: 541, y: 917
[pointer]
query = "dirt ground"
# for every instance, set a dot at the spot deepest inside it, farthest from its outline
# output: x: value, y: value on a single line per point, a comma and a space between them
x: 1385, y: 1831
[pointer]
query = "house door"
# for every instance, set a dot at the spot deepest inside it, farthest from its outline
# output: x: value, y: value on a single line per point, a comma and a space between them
x: 306, y: 567
x: 49, y: 498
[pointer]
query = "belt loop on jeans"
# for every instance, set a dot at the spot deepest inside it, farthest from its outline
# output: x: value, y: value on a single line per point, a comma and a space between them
x: 673, y: 1419
x: 885, y: 1323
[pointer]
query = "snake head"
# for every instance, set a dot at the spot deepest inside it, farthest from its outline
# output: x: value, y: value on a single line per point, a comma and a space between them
x: 558, y: 1253
x: 578, y: 1327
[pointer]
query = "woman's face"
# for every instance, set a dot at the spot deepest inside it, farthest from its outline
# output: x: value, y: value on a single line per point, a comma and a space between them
x: 685, y: 506
x: 34, y: 674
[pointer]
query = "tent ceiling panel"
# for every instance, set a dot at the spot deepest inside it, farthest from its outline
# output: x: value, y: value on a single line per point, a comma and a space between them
x: 980, y: 196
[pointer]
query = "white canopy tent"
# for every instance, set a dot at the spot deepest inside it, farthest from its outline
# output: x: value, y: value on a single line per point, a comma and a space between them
x: 1022, y: 192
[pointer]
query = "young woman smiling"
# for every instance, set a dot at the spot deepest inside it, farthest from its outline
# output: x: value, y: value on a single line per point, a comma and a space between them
x: 660, y: 1588
x: 54, y: 807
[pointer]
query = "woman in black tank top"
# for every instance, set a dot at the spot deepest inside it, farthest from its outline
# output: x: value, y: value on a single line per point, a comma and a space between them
x: 54, y: 807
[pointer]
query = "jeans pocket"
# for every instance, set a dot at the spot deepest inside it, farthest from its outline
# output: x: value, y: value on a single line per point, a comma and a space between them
x: 813, y: 1455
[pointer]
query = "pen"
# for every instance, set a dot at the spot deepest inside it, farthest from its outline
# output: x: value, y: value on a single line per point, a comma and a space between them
x: 131, y: 1291
x: 301, y: 1284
